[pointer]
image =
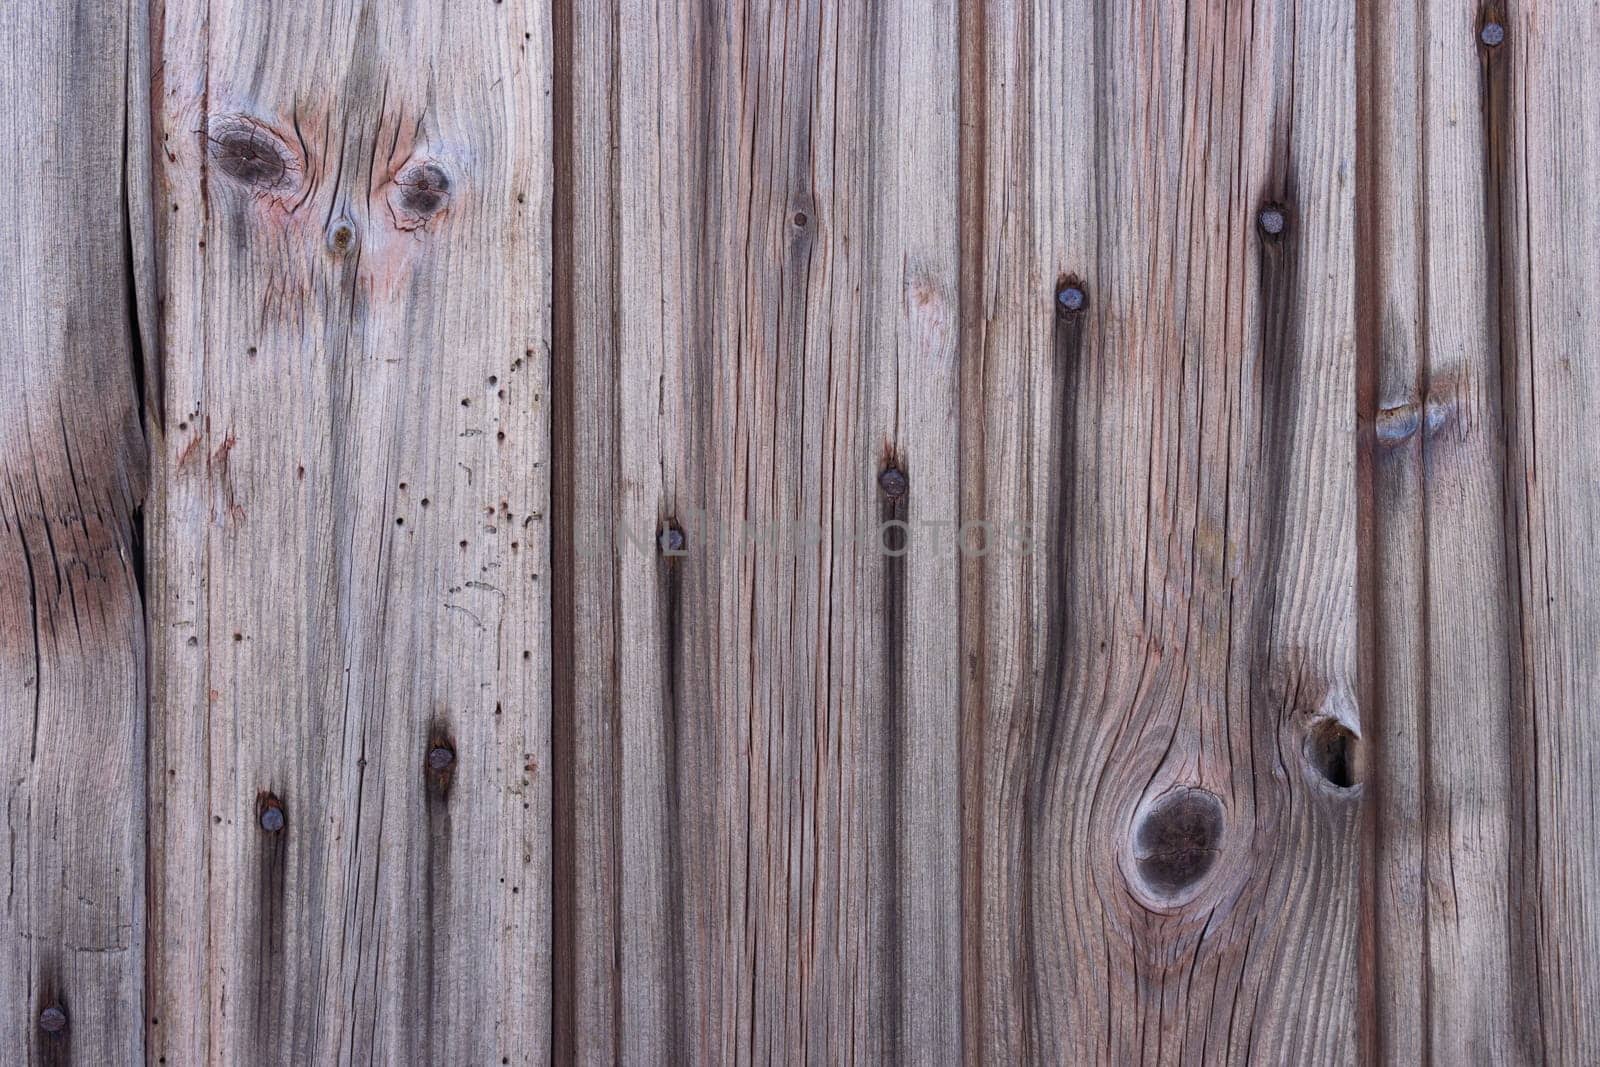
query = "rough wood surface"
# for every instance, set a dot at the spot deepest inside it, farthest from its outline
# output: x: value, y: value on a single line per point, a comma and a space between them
x: 72, y: 475
x: 1483, y: 519
x: 1012, y: 532
x: 1162, y: 817
x: 349, y: 538
x: 767, y: 308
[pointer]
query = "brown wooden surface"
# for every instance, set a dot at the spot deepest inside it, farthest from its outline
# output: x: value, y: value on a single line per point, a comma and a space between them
x: 527, y: 386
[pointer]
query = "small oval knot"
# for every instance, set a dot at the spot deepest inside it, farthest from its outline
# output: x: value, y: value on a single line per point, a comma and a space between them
x: 1177, y: 841
x: 341, y: 237
x: 248, y: 152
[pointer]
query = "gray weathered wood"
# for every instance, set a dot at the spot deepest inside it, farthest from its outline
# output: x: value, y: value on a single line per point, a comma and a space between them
x: 349, y: 561
x: 1163, y: 854
x: 1486, y: 872
x: 526, y: 387
x: 1442, y: 829
x: 72, y: 475
x: 782, y: 723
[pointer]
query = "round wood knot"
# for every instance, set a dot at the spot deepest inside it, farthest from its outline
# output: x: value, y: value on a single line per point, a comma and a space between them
x: 341, y: 237
x: 248, y: 152
x: 422, y: 191
x: 1178, y: 839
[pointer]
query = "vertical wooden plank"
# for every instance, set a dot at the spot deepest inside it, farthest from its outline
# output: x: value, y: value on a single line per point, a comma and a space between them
x: 787, y: 295
x: 1444, y: 971
x: 350, y: 792
x: 72, y: 476
x: 1167, y: 788
x: 1542, y: 106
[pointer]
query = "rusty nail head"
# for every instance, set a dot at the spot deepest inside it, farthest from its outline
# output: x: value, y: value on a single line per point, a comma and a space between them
x: 1492, y: 34
x: 1071, y: 298
x: 672, y: 540
x: 440, y: 758
x: 53, y: 1020
x: 272, y: 819
x: 1272, y: 221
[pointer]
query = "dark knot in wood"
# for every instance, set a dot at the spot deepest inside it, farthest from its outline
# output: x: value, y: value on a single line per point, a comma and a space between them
x: 246, y: 151
x: 424, y: 188
x: 1177, y: 841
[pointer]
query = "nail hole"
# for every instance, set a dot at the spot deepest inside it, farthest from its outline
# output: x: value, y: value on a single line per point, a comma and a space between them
x: 1178, y: 840
x: 1273, y: 220
x: 270, y: 813
x: 672, y: 540
x: 1071, y: 297
x: 440, y: 762
x: 894, y: 483
x: 1331, y: 750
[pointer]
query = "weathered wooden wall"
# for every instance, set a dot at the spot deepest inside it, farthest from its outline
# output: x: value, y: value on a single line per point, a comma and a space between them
x: 446, y: 614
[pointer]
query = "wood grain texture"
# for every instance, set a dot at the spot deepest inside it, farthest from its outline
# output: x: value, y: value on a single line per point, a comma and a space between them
x: 1483, y: 532
x: 586, y: 895
x: 72, y: 477
x: 1163, y: 801
x: 1016, y: 532
x: 782, y: 723
x: 1444, y: 974
x: 349, y: 540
